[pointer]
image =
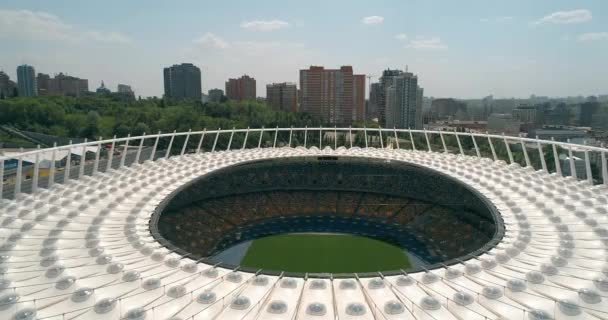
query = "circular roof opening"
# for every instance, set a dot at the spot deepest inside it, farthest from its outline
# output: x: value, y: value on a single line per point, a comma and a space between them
x: 327, y: 215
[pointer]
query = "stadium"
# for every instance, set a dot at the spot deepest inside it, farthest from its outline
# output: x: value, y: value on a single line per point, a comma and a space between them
x: 423, y: 225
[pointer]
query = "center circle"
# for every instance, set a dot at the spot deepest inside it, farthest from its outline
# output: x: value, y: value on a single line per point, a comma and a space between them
x: 327, y: 215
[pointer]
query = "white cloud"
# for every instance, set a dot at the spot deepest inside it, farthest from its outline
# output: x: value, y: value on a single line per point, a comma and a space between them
x: 427, y: 43
x: 401, y: 36
x: 264, y: 25
x: 593, y: 36
x: 45, y: 26
x: 372, y: 20
x: 566, y: 17
x: 210, y: 40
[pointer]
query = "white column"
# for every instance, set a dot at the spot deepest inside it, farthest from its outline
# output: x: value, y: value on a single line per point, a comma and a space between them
x: 492, y: 148
x: 154, y: 147
x: 217, y: 136
x: 459, y: 144
x: 1, y: 179
x: 604, y: 166
x: 412, y: 139
x: 19, y: 175
x: 588, y: 167
x: 573, y: 172
x: 320, y: 139
x: 476, y: 147
x: 260, y: 140
x: 111, y: 154
x: 381, y: 140
x: 200, y: 142
x: 230, y: 140
x: 68, y: 164
x: 52, y: 168
x: 123, y: 156
x: 350, y: 135
x: 305, y: 135
x: 508, y: 148
x: 541, y: 154
x: 558, y: 168
x: 428, y: 142
x: 36, y: 171
x: 290, y: 133
x: 141, y: 145
x: 335, y: 138
x: 525, y: 150
x: 445, y: 149
x: 396, y: 138
x: 168, y: 153
x: 276, y: 133
x: 365, y: 135
x: 83, y: 158
x: 245, y: 141
x: 185, y: 143
x: 96, y: 164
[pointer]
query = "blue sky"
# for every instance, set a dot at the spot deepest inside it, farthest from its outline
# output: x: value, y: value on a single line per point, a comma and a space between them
x: 463, y: 49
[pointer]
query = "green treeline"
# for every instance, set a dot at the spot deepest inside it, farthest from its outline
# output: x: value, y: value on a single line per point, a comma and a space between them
x: 95, y: 115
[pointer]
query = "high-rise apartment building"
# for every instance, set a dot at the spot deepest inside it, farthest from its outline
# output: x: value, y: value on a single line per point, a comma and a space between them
x: 183, y: 81
x: 282, y: 96
x: 331, y: 94
x: 7, y: 87
x: 419, y: 104
x: 374, y: 101
x: 386, y: 80
x: 358, y: 97
x: 401, y: 101
x: 242, y: 88
x: 215, y: 95
x: 43, y: 82
x: 26, y: 81
x: 61, y: 84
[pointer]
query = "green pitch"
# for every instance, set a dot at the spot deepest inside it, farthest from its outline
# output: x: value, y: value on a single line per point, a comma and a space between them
x: 316, y: 253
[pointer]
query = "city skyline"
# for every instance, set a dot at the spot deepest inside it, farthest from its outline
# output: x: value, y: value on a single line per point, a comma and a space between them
x: 514, y: 49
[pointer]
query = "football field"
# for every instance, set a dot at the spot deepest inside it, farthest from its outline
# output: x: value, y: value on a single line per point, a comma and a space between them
x: 333, y: 253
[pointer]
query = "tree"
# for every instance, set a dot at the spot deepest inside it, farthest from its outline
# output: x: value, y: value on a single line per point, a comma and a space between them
x: 91, y: 129
x: 141, y: 128
x: 122, y: 130
x: 97, y: 115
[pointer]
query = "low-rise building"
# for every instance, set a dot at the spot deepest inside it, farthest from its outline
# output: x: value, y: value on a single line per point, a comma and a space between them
x: 215, y: 95
x: 61, y: 85
x: 503, y: 123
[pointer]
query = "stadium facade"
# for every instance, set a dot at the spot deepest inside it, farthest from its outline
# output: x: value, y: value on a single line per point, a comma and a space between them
x: 85, y: 242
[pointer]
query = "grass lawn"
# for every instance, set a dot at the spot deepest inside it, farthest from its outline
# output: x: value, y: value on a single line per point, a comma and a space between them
x: 324, y: 253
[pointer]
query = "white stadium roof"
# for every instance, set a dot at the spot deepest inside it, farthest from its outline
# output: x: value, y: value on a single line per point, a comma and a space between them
x: 83, y: 250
